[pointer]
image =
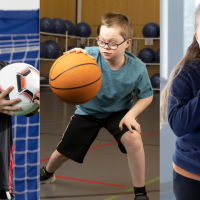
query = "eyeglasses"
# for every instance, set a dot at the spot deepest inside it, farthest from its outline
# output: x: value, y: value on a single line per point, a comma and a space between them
x: 111, y: 45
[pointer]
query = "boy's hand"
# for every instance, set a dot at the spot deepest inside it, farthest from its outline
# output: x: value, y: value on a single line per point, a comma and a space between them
x: 38, y: 102
x: 6, y: 105
x: 78, y: 50
x: 130, y: 122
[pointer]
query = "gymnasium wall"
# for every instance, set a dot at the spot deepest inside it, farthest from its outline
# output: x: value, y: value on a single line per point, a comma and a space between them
x: 140, y: 12
x: 64, y: 9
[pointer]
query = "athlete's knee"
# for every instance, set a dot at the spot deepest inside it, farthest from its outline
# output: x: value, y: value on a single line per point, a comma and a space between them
x: 132, y: 141
x: 60, y: 156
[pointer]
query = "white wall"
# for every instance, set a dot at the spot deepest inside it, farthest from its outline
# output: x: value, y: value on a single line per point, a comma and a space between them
x: 164, y: 39
x: 188, y: 23
x: 197, y: 2
x: 19, y: 4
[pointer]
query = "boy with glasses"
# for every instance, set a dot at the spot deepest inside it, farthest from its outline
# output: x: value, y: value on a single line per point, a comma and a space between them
x: 113, y: 107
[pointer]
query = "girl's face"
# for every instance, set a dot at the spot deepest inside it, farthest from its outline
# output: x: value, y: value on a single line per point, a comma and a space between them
x: 197, y: 35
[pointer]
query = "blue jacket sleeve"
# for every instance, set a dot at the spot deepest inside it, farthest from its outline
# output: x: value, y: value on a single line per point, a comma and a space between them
x: 183, y: 106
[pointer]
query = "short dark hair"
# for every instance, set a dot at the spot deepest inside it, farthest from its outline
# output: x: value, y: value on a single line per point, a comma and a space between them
x: 117, y: 20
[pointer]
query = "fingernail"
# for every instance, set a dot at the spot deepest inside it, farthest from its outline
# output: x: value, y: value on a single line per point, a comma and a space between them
x: 12, y: 87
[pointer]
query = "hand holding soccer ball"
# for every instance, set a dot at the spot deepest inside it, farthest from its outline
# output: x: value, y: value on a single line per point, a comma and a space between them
x: 37, y: 100
x: 25, y: 79
x: 6, y: 105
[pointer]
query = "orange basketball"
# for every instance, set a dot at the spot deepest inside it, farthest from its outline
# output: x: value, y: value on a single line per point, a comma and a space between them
x: 75, y: 78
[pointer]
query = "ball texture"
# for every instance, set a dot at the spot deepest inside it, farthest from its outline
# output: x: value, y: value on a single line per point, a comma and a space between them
x: 155, y: 81
x: 70, y: 27
x: 82, y: 30
x: 75, y: 78
x: 26, y: 82
x: 157, y: 56
x: 47, y: 25
x: 151, y: 30
x: 60, y: 26
x: 98, y: 30
x: 52, y: 49
x: 42, y: 50
x: 147, y: 55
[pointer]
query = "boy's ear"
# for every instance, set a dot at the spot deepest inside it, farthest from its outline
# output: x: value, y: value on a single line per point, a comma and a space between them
x: 128, y: 43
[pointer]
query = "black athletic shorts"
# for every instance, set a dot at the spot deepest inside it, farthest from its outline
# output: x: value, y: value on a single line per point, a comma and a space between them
x: 6, y: 149
x: 82, y: 131
x: 6, y: 153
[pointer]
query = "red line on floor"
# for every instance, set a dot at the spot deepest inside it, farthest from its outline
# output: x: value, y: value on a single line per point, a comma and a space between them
x: 150, y: 134
x: 88, y: 181
x: 107, y: 144
x: 102, y: 145
x: 44, y: 159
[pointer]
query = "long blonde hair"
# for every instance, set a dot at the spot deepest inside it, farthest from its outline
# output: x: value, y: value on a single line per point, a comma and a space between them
x: 192, y: 53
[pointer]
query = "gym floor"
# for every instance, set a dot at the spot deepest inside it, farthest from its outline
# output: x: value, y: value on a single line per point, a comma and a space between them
x: 104, y: 174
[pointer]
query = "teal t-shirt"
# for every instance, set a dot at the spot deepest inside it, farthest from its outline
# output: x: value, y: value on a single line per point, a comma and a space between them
x: 116, y: 92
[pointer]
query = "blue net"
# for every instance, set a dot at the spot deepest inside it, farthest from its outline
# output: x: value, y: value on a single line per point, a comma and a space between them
x: 24, y: 48
x: 19, y: 42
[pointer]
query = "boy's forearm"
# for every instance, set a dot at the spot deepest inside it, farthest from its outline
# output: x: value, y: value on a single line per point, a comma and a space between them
x: 140, y: 105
